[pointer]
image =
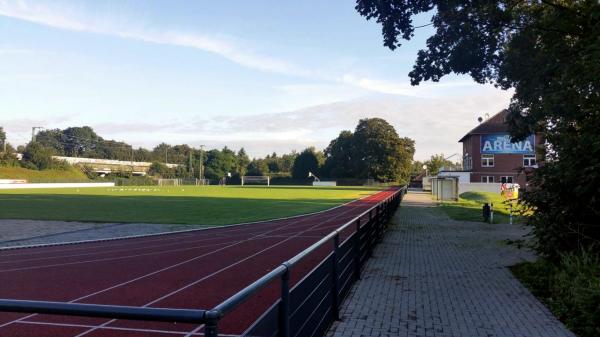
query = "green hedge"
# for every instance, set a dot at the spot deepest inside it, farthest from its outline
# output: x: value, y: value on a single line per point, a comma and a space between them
x: 571, y: 289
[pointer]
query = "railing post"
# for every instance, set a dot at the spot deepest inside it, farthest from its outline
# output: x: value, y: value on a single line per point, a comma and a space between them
x: 335, y: 276
x: 373, y: 229
x: 211, y: 327
x: 284, y: 306
x: 357, y: 250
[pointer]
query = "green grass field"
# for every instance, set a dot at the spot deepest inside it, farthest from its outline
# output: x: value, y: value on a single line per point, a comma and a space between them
x: 202, y: 205
x: 469, y: 204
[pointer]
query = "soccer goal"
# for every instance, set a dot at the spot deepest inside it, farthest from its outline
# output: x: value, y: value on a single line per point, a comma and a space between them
x: 256, y: 180
x: 194, y: 181
x: 169, y: 182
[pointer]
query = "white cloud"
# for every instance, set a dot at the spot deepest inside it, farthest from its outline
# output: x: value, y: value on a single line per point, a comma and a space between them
x: 342, y: 86
x: 403, y: 88
x: 435, y: 123
x: 69, y: 19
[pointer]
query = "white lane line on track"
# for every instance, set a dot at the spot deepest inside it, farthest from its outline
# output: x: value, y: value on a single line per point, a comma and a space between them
x: 178, y: 243
x: 334, y: 216
x: 170, y: 267
x: 154, y: 252
x: 189, y: 230
x: 138, y: 255
x: 87, y: 326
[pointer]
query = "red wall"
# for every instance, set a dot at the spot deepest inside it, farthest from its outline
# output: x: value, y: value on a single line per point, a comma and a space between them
x: 504, y: 164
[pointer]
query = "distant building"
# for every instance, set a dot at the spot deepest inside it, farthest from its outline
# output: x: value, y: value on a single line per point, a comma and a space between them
x: 490, y: 157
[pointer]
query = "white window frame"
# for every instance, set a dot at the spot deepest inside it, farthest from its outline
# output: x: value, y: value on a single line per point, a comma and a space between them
x: 512, y: 179
x: 527, y: 160
x: 486, y: 179
x: 485, y: 160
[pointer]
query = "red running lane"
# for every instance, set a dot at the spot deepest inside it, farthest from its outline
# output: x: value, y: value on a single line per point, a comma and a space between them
x: 197, y: 269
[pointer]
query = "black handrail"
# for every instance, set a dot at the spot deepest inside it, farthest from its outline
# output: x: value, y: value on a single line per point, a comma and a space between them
x: 211, y: 318
x: 104, y: 311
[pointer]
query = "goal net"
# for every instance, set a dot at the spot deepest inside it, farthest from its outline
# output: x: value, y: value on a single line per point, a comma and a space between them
x: 256, y: 180
x: 194, y: 181
x: 169, y: 182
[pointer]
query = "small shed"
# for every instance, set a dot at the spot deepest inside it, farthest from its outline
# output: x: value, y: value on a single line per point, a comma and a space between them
x: 445, y: 188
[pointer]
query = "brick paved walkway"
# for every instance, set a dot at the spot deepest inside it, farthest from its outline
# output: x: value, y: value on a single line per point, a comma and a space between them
x: 435, y: 277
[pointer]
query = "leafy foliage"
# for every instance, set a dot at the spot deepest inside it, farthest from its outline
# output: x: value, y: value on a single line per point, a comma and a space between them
x: 374, y: 150
x: 38, y: 157
x: 548, y: 51
x: 437, y: 162
x: 2, y: 138
x: 307, y: 161
x: 570, y: 288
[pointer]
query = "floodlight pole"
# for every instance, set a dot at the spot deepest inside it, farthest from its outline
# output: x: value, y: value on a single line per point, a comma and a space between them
x: 33, y: 134
x: 201, y: 169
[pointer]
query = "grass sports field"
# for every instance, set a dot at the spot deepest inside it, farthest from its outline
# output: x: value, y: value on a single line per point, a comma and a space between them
x: 202, y: 205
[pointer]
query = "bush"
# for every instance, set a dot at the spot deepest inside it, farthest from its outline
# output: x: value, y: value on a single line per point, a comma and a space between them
x: 571, y: 289
x: 135, y: 181
x: 161, y: 170
x: 8, y: 160
x: 38, y: 156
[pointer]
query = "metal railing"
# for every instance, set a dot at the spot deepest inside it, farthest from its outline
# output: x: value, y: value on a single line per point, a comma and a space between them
x: 306, y: 309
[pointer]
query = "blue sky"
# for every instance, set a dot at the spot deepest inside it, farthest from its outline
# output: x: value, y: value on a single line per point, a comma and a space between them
x: 266, y: 75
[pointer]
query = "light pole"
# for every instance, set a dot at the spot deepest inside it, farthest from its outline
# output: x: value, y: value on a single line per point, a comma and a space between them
x: 201, y: 168
x: 33, y: 134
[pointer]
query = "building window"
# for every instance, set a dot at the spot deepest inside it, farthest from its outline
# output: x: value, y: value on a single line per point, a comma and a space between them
x: 506, y: 180
x: 529, y: 160
x: 487, y: 160
x: 487, y: 179
x: 467, y: 163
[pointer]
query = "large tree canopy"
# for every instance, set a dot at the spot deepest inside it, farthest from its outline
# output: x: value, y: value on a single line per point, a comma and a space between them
x: 374, y: 150
x: 549, y: 52
x: 307, y: 161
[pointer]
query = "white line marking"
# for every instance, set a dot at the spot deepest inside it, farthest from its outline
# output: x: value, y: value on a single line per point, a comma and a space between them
x: 170, y: 267
x: 188, y: 230
x: 333, y: 217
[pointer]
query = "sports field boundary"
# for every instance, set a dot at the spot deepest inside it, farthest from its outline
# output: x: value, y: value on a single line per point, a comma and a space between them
x: 209, y: 227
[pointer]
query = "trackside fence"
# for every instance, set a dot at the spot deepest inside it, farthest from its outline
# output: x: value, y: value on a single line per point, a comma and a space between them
x: 306, y: 309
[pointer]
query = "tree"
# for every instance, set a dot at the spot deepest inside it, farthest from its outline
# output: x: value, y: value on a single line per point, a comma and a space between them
x: 437, y: 162
x: 548, y: 52
x: 307, y: 161
x: 37, y: 156
x: 380, y: 153
x: 257, y: 167
x: 161, y: 170
x: 242, y: 162
x: 80, y: 141
x: 2, y: 139
x: 417, y: 168
x: 340, y: 162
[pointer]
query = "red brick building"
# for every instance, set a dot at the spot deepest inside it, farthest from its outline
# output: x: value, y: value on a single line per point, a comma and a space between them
x: 490, y: 156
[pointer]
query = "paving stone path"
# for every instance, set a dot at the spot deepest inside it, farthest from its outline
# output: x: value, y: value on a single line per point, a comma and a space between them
x: 435, y: 277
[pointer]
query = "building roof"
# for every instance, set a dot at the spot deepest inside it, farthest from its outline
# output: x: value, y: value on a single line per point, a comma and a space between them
x: 494, y: 124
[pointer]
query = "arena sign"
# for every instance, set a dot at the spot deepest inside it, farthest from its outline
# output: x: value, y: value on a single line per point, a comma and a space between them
x: 500, y: 143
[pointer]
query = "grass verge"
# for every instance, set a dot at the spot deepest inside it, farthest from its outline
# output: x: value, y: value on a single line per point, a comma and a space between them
x: 72, y: 174
x: 205, y: 205
x: 570, y: 289
x: 469, y: 207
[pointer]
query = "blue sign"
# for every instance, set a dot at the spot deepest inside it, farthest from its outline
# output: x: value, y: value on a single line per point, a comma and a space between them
x: 500, y: 143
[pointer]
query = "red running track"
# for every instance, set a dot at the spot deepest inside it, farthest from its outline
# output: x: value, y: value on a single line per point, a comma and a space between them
x: 195, y: 270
